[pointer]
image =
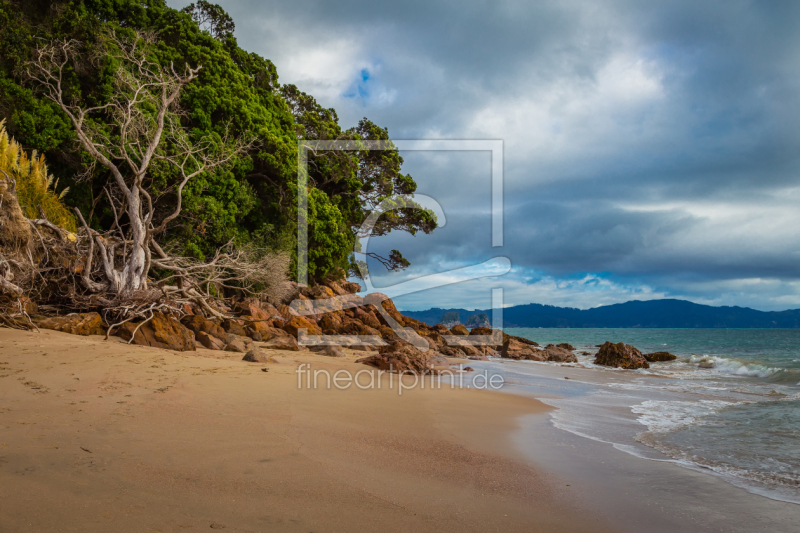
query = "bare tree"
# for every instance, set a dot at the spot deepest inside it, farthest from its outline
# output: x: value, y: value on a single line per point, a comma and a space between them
x: 140, y: 125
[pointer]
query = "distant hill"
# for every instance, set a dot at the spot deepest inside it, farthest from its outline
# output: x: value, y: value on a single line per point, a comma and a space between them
x: 635, y: 314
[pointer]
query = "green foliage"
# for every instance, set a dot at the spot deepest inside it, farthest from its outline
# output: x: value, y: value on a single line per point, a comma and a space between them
x: 329, y: 241
x: 252, y: 201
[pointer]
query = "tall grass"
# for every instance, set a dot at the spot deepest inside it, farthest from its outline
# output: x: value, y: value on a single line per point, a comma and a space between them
x: 35, y: 188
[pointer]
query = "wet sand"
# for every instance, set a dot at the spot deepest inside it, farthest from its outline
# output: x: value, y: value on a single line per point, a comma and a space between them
x: 100, y: 436
x: 634, y: 493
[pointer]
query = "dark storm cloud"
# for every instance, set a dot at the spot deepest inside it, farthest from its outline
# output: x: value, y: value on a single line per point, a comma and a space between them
x: 653, y: 143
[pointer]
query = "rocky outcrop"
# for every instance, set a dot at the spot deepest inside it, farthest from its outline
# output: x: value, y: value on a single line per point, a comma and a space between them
x: 77, y: 324
x: 559, y: 354
x: 197, y: 323
x: 160, y: 332
x: 620, y: 355
x: 400, y: 357
x: 478, y: 321
x: 566, y: 346
x: 459, y: 329
x: 514, y: 348
x: 298, y: 322
x: 233, y: 327
x: 659, y: 357
x: 209, y: 341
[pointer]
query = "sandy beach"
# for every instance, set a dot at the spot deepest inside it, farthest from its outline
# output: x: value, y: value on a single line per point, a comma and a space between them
x: 97, y: 435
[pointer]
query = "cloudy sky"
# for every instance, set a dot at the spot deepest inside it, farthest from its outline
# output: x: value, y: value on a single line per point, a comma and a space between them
x: 650, y: 151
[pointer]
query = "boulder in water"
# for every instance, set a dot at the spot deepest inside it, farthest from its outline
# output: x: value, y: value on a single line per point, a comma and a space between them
x: 559, y: 354
x: 659, y: 357
x: 620, y: 355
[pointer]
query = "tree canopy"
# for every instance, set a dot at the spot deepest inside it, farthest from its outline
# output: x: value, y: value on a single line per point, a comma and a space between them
x: 252, y: 200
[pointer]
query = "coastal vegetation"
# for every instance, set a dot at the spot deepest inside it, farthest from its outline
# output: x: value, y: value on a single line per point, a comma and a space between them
x: 172, y: 164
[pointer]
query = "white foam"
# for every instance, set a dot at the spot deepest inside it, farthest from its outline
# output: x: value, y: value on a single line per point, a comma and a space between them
x: 734, y: 367
x: 666, y: 416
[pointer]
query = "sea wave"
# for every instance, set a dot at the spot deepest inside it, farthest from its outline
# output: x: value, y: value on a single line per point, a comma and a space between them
x: 664, y: 416
x: 734, y: 367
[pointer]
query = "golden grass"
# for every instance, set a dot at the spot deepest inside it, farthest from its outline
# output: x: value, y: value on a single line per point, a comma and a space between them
x: 35, y: 187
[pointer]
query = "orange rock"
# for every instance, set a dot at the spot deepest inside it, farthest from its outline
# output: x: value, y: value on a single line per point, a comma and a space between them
x: 209, y: 341
x: 459, y: 329
x: 233, y: 326
x: 197, y: 323
x: 330, y: 321
x: 160, y: 332
x: 77, y: 324
x: 367, y: 330
x: 298, y: 323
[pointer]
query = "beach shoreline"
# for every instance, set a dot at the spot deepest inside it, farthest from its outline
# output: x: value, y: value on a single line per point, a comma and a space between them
x: 98, y: 435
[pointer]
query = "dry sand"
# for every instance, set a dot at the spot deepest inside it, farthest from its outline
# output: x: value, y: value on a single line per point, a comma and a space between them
x: 100, y: 436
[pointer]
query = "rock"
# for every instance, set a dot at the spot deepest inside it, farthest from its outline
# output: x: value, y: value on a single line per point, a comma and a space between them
x: 558, y: 354
x: 330, y: 351
x: 453, y: 351
x: 621, y: 356
x: 271, y: 333
x: 412, y: 323
x: 257, y: 356
x: 209, y: 341
x: 253, y: 326
x: 513, y: 349
x: 320, y: 292
x: 253, y: 309
x: 238, y: 344
x: 478, y: 358
x: 585, y: 353
x: 706, y: 364
x: 256, y: 336
x: 478, y: 321
x: 350, y: 287
x: 468, y: 369
x: 399, y: 356
x: 199, y: 323
x: 233, y: 326
x: 659, y: 357
x: 367, y: 317
x: 441, y: 329
x: 76, y: 324
x: 336, y: 288
x: 459, y: 329
x: 286, y: 313
x: 350, y: 326
x: 297, y: 323
x: 332, y: 321
x: 366, y: 330
x: 160, y: 332
x: 286, y: 342
x: 566, y: 346
x: 387, y: 333
x: 380, y: 299
x: 536, y: 355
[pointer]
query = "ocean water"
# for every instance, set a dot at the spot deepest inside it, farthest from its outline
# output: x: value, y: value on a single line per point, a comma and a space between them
x: 729, y: 405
